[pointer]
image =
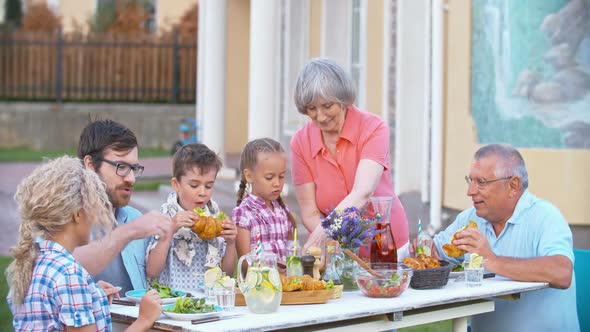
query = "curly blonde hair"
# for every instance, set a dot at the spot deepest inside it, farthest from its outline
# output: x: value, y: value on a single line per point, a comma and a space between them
x: 47, y: 201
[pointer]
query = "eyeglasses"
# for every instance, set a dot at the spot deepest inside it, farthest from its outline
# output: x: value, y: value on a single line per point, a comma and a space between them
x: 122, y: 169
x: 482, y: 183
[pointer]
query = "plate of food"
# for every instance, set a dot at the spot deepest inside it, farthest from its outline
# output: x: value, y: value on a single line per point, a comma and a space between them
x: 189, y: 308
x: 167, y: 294
x: 457, y: 271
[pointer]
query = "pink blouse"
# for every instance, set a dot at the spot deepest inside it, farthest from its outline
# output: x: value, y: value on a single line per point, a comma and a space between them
x: 364, y: 136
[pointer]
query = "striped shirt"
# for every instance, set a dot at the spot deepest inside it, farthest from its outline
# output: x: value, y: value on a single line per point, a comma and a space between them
x: 274, y: 226
x: 61, y: 294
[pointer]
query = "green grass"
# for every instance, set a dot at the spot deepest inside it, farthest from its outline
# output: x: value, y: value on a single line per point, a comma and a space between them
x: 27, y: 154
x: 5, y: 315
x: 443, y: 326
x: 149, y: 184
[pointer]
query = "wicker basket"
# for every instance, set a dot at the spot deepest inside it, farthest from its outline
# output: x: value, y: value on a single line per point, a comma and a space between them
x: 431, y: 278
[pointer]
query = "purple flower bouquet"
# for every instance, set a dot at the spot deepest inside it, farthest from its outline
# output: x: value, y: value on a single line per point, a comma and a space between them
x: 351, y: 227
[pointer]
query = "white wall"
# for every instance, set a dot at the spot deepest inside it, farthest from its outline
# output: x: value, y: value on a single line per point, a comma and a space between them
x: 412, y: 91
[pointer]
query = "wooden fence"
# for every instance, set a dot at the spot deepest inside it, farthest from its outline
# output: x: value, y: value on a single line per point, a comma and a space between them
x: 51, y: 66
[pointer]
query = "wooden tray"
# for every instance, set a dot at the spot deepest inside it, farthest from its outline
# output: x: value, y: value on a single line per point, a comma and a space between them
x: 296, y: 297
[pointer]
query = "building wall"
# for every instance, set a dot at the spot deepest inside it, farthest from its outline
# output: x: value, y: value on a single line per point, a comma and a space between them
x: 560, y: 176
x: 168, y: 12
x: 374, y: 65
x: 76, y: 14
x: 237, y: 75
x: 315, y: 28
x: 50, y: 126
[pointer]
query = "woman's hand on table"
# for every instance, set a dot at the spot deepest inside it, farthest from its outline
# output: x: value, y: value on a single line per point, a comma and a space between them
x: 109, y: 290
x: 317, y: 238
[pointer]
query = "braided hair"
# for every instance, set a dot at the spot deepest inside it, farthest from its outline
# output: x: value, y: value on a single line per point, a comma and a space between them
x: 249, y: 159
x: 47, y: 201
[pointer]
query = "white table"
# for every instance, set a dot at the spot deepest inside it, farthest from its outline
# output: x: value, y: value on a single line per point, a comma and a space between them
x: 356, y: 312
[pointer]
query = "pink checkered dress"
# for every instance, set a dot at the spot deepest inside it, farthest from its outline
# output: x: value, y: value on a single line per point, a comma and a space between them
x: 274, y: 226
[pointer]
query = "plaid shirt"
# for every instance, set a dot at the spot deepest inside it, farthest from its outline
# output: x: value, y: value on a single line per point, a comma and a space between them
x: 61, y: 294
x: 274, y: 226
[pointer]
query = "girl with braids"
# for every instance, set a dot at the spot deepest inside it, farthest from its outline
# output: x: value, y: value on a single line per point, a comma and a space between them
x: 59, y: 204
x: 263, y: 165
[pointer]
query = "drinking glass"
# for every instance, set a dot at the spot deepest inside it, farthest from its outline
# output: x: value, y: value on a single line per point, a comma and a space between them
x: 294, y: 266
x: 473, y: 276
x: 225, y: 297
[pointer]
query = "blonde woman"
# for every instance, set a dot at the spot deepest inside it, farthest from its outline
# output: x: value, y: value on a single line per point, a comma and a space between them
x: 59, y: 204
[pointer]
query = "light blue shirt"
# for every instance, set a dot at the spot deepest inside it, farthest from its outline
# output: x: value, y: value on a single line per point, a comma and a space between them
x: 128, y: 268
x: 536, y: 228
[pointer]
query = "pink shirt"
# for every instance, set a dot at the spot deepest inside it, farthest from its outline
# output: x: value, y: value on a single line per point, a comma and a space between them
x: 364, y: 136
x: 274, y: 226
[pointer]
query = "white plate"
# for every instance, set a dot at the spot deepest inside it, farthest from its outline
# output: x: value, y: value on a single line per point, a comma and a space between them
x: 218, y: 311
x: 136, y: 295
x: 456, y: 274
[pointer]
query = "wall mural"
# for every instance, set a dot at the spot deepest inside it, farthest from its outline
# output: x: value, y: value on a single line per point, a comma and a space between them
x: 530, y: 78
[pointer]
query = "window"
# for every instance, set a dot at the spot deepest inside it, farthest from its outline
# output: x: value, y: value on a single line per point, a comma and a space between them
x: 358, y: 49
x: 294, y: 55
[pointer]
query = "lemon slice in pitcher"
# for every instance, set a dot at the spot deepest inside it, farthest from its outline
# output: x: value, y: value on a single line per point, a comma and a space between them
x: 475, y: 261
x: 252, y: 279
x: 274, y: 278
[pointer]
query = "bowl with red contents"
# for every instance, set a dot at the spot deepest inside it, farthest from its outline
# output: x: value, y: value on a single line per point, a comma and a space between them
x: 392, y: 279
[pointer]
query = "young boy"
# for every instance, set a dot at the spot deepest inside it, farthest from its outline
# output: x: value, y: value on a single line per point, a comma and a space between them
x: 180, y: 259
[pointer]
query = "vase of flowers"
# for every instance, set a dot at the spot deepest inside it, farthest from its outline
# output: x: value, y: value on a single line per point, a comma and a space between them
x: 352, y: 229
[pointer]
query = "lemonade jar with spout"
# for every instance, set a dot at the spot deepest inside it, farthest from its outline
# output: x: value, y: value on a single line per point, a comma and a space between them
x: 261, y: 285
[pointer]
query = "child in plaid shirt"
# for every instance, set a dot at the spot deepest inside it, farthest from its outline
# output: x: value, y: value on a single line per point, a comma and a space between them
x: 59, y: 204
x: 180, y: 259
x: 263, y: 165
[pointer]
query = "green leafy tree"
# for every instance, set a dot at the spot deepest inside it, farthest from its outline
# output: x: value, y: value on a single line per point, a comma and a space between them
x: 13, y: 13
x: 121, y: 16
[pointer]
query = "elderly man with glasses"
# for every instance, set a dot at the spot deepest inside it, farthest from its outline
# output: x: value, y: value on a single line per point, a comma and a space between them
x: 520, y: 237
x: 110, y: 149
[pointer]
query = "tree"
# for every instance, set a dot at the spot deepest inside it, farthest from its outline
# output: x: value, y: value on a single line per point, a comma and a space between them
x: 189, y: 23
x: 121, y: 16
x: 13, y: 13
x: 39, y: 17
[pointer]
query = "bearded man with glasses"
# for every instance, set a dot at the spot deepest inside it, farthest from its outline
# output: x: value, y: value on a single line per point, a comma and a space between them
x: 111, y: 150
x: 521, y: 237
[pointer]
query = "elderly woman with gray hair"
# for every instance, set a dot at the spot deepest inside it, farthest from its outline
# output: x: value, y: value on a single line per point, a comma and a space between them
x: 341, y: 157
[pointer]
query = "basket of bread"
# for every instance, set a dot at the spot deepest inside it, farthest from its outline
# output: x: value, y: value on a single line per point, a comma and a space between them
x: 429, y: 272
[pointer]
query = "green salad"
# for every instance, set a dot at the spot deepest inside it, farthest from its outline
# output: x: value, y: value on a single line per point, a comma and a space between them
x: 458, y: 268
x: 163, y: 290
x: 189, y: 305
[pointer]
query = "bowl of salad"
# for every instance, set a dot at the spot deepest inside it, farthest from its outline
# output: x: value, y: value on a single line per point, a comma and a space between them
x: 167, y: 294
x: 392, y: 280
x: 189, y: 308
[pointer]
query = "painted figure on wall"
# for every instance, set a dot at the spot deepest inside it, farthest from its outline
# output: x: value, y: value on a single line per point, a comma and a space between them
x: 531, y: 72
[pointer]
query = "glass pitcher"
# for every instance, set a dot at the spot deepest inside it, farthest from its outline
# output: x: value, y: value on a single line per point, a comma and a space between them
x: 333, y: 263
x: 261, y: 286
x: 383, y: 248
